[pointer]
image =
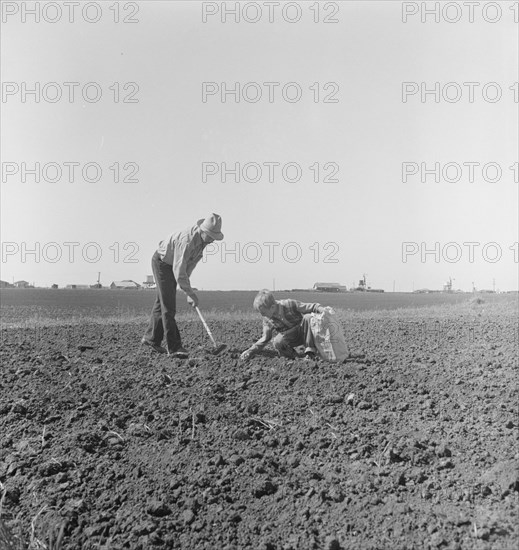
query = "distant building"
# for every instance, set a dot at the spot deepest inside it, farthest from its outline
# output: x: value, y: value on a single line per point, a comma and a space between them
x: 125, y: 285
x: 363, y: 286
x: 5, y: 284
x: 149, y: 282
x: 447, y: 287
x: 22, y: 284
x: 329, y: 287
x: 77, y: 287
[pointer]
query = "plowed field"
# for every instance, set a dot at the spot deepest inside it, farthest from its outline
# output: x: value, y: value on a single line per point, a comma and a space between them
x: 412, y: 445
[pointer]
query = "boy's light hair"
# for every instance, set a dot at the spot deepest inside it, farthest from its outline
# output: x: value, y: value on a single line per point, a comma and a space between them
x: 264, y: 298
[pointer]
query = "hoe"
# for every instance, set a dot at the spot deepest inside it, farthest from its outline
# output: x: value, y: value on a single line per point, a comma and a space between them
x: 217, y: 348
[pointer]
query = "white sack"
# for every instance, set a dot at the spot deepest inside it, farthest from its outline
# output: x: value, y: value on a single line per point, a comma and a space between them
x: 328, y: 336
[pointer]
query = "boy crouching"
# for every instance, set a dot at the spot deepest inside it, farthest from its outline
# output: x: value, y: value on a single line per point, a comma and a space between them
x: 290, y: 320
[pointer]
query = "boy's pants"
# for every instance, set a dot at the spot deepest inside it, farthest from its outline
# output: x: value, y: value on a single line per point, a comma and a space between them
x: 300, y: 335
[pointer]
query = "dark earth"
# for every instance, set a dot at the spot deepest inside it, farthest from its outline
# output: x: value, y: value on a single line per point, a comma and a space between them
x: 411, y: 444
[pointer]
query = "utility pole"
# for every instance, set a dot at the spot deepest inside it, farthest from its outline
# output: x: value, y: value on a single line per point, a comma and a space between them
x: 393, y: 286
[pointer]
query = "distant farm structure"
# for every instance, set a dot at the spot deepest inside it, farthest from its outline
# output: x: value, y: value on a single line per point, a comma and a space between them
x: 447, y: 287
x: 98, y: 283
x: 363, y: 286
x: 5, y: 284
x: 22, y: 284
x: 329, y: 287
x: 126, y: 284
x: 149, y: 282
x: 77, y: 287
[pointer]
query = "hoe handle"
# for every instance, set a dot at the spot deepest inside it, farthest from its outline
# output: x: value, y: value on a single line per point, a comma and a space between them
x: 205, y: 326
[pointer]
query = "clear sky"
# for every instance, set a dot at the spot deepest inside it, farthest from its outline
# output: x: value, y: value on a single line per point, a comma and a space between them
x: 151, y: 118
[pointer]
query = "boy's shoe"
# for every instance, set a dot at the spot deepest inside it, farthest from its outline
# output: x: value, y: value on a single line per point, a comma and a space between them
x: 153, y: 346
x: 180, y: 353
x: 300, y: 351
x: 310, y: 354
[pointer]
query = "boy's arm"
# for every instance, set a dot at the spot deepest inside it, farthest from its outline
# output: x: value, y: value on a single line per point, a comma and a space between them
x: 304, y: 307
x: 260, y: 344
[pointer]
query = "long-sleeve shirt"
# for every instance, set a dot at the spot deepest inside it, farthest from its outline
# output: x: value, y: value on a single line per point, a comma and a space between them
x: 289, y: 314
x: 183, y: 250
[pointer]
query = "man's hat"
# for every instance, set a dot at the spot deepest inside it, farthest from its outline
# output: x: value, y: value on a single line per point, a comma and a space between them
x: 212, y: 225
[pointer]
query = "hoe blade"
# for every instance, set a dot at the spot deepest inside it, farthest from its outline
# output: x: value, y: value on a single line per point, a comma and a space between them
x: 219, y: 349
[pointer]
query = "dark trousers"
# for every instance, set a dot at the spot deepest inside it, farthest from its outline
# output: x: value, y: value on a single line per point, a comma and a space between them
x: 162, y: 320
x: 300, y: 335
